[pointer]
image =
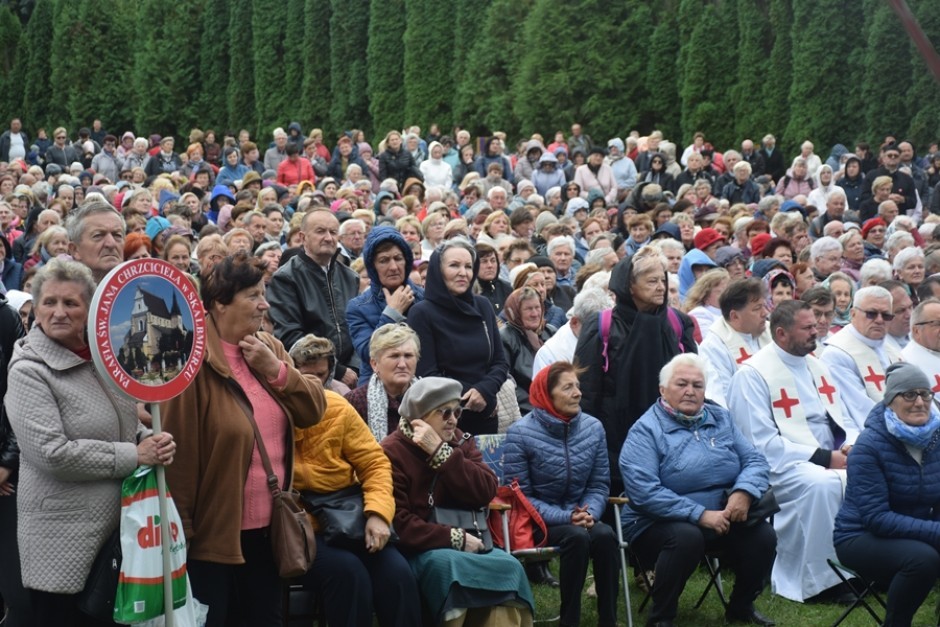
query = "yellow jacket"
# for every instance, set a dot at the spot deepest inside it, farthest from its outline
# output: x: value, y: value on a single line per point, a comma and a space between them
x: 340, y: 451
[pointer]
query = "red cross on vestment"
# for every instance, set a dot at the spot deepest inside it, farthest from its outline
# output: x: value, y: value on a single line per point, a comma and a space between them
x: 826, y: 389
x: 785, y: 403
x: 936, y: 388
x: 874, y: 378
x: 743, y: 356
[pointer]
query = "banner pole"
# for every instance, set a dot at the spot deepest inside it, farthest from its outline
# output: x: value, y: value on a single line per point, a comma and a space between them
x: 164, y: 528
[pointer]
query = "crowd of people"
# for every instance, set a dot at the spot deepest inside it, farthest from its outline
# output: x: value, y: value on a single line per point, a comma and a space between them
x: 694, y: 329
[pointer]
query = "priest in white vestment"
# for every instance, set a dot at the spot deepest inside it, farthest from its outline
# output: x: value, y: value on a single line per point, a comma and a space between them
x: 924, y: 348
x: 785, y: 401
x: 857, y: 356
x: 738, y: 334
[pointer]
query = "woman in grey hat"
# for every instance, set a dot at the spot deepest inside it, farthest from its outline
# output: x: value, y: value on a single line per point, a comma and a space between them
x: 435, y: 465
x: 887, y: 529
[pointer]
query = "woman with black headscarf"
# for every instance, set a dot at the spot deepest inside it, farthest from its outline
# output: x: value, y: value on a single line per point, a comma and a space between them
x: 623, y: 361
x: 458, y: 334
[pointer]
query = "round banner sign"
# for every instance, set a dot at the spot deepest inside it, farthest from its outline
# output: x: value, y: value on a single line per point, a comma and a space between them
x: 149, y: 329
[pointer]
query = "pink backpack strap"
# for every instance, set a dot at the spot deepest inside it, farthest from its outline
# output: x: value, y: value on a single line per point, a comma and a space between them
x: 604, y: 322
x: 676, y: 326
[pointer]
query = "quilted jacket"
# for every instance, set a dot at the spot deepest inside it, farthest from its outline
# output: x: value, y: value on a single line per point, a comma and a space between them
x: 559, y: 465
x: 77, y: 444
x: 888, y: 493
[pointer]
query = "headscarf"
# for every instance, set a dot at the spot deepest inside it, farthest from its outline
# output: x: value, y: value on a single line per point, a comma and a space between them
x: 513, y: 311
x: 769, y: 281
x: 843, y: 317
x: 541, y: 397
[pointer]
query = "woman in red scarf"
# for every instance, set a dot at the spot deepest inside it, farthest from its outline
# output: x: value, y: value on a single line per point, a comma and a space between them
x: 522, y: 337
x: 558, y: 454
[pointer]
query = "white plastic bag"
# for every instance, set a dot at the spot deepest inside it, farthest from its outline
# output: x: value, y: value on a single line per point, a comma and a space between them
x: 140, y: 586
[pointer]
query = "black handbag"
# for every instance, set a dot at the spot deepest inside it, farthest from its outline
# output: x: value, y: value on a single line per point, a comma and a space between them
x: 340, y: 516
x: 97, y: 599
x: 761, y: 509
x: 472, y: 521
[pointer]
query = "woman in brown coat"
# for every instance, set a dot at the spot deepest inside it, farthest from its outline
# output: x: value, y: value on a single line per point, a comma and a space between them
x: 218, y: 481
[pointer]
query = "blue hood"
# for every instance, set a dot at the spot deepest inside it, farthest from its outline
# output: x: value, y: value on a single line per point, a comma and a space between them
x: 378, y: 236
x: 694, y: 257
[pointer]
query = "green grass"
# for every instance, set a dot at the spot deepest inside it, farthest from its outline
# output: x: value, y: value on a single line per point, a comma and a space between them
x: 785, y: 612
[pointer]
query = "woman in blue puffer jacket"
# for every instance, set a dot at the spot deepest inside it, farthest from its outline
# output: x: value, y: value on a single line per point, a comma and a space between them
x: 887, y: 529
x: 558, y: 454
x: 691, y: 477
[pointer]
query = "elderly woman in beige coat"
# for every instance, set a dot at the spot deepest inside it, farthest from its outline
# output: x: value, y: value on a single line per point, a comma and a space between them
x: 77, y: 440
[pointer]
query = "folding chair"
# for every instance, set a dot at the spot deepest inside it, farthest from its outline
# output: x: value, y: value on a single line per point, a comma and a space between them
x: 617, y: 502
x: 860, y: 589
x: 306, y: 604
x: 491, y: 448
x: 711, y: 561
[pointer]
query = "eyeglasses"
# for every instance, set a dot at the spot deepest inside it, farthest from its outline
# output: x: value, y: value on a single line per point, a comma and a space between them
x: 912, y: 395
x: 447, y: 412
x: 929, y: 323
x: 892, y: 155
x: 873, y: 315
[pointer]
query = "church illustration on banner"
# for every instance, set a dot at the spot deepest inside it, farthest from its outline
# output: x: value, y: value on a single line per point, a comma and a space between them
x: 159, y: 340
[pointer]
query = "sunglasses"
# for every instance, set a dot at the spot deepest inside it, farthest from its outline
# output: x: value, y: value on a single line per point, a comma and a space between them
x: 873, y: 315
x: 911, y: 395
x: 447, y: 412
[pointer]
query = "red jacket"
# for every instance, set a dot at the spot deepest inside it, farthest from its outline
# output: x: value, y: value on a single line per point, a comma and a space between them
x: 293, y: 172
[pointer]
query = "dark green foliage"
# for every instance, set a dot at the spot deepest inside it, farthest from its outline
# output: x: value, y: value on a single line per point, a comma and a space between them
x: 429, y: 52
x: 484, y: 100
x: 754, y: 46
x: 241, y: 74
x: 775, y: 102
x: 819, y: 85
x: 34, y: 47
x: 661, y: 77
x: 349, y: 76
x: 294, y: 67
x: 164, y: 84
x: 705, y: 90
x: 315, y: 91
x: 564, y: 78
x: 925, y: 91
x: 887, y: 69
x: 12, y: 66
x: 210, y: 107
x: 268, y: 30
x: 386, y: 71
x: 826, y: 70
x: 93, y: 91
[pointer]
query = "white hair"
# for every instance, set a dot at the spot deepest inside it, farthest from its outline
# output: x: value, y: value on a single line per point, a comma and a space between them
x: 670, y: 244
x: 557, y: 242
x: 496, y: 190
x: 589, y: 302
x: 875, y: 271
x: 899, y: 239
x: 279, y: 132
x: 872, y: 291
x: 683, y: 359
x: 822, y: 246
x: 344, y: 227
x: 597, y: 255
x: 906, y: 256
x: 598, y: 280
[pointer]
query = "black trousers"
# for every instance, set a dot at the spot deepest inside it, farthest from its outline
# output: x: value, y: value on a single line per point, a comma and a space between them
x: 356, y: 583
x: 240, y: 595
x: 61, y: 610
x: 909, y: 568
x: 676, y: 548
x: 579, y: 546
x: 16, y: 598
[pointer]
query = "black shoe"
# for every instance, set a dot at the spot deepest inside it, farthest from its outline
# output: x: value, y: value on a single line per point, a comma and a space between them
x: 840, y: 594
x: 662, y: 623
x: 539, y: 574
x: 748, y: 616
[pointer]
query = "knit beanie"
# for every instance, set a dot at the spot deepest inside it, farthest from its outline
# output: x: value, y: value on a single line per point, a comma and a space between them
x: 902, y: 377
